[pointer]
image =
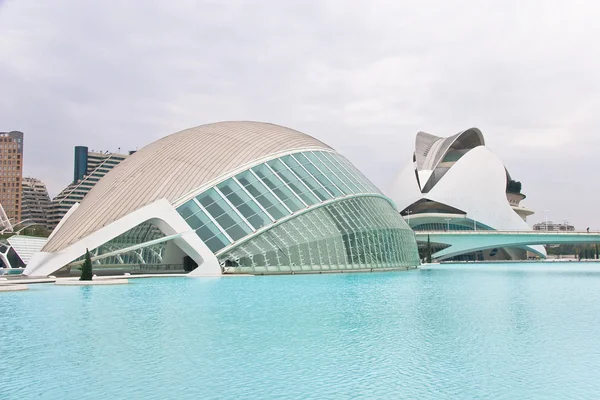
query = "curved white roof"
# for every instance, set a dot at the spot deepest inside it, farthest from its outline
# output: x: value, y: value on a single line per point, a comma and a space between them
x: 475, y: 183
x: 174, y: 166
x: 431, y: 149
x: 26, y: 246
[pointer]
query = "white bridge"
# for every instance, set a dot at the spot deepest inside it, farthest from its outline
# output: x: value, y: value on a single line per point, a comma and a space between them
x: 463, y: 242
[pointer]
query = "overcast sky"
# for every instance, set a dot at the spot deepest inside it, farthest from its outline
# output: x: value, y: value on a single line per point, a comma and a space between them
x: 363, y: 77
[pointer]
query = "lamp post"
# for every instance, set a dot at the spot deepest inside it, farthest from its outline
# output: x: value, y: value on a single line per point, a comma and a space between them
x: 448, y: 222
x: 408, y: 212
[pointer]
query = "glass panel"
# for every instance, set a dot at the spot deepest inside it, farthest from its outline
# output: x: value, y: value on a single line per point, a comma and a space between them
x: 349, y: 172
x: 278, y: 187
x: 329, y: 173
x: 188, y: 209
x: 217, y: 243
x: 356, y: 174
x: 258, y: 190
x: 235, y: 227
x: 199, y: 219
x: 331, y: 162
x: 204, y: 227
x: 244, y: 204
x: 361, y: 233
x: 306, y: 178
x: 288, y: 177
x: 150, y: 255
x: 318, y: 175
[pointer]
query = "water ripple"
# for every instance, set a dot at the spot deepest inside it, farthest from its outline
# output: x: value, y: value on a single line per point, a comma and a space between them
x: 445, y: 333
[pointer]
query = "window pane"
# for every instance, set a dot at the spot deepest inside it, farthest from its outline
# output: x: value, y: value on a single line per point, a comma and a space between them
x: 318, y: 175
x: 274, y: 183
x: 244, y: 204
x: 207, y: 230
x: 188, y: 209
x: 306, y: 178
x: 331, y: 173
x: 217, y: 243
x: 341, y: 171
x: 224, y: 214
x: 259, y: 191
x: 288, y: 177
x: 356, y: 174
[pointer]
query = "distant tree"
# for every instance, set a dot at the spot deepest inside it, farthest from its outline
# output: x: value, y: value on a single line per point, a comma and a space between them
x: 86, y: 268
x: 428, y: 250
x: 36, y: 230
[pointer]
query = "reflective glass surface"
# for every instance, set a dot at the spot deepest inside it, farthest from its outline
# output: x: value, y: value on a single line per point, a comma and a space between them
x: 352, y: 233
x: 265, y: 193
x: 150, y: 255
x: 263, y: 196
x: 223, y: 214
x: 306, y: 177
x: 242, y: 201
x: 360, y: 233
x: 278, y: 187
x: 293, y: 181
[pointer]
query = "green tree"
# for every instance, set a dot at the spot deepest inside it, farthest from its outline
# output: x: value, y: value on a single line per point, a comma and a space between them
x: 86, y: 268
x: 36, y: 230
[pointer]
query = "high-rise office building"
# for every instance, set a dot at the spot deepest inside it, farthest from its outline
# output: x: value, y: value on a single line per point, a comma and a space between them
x: 88, y: 168
x: 35, y: 201
x: 11, y: 173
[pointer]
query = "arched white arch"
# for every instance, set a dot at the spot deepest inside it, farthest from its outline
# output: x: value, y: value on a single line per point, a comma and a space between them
x: 161, y: 213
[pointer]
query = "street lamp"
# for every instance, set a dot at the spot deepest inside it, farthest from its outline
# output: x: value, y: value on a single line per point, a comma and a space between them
x: 409, y: 212
x: 448, y: 222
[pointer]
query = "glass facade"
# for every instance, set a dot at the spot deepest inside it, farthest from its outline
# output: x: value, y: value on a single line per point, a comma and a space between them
x: 264, y: 194
x: 306, y: 211
x: 147, y: 255
x: 360, y: 233
x: 365, y: 232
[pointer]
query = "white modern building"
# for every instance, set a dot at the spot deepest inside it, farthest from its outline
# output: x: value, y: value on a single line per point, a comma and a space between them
x: 233, y: 197
x: 457, y: 183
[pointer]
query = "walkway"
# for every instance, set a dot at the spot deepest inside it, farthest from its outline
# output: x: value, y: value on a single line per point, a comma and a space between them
x: 463, y: 242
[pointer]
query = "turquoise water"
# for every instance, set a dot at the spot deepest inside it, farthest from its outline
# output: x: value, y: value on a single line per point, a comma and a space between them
x: 458, y: 332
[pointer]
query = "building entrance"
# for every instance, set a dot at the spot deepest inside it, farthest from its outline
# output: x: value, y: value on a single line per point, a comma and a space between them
x: 189, y: 264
